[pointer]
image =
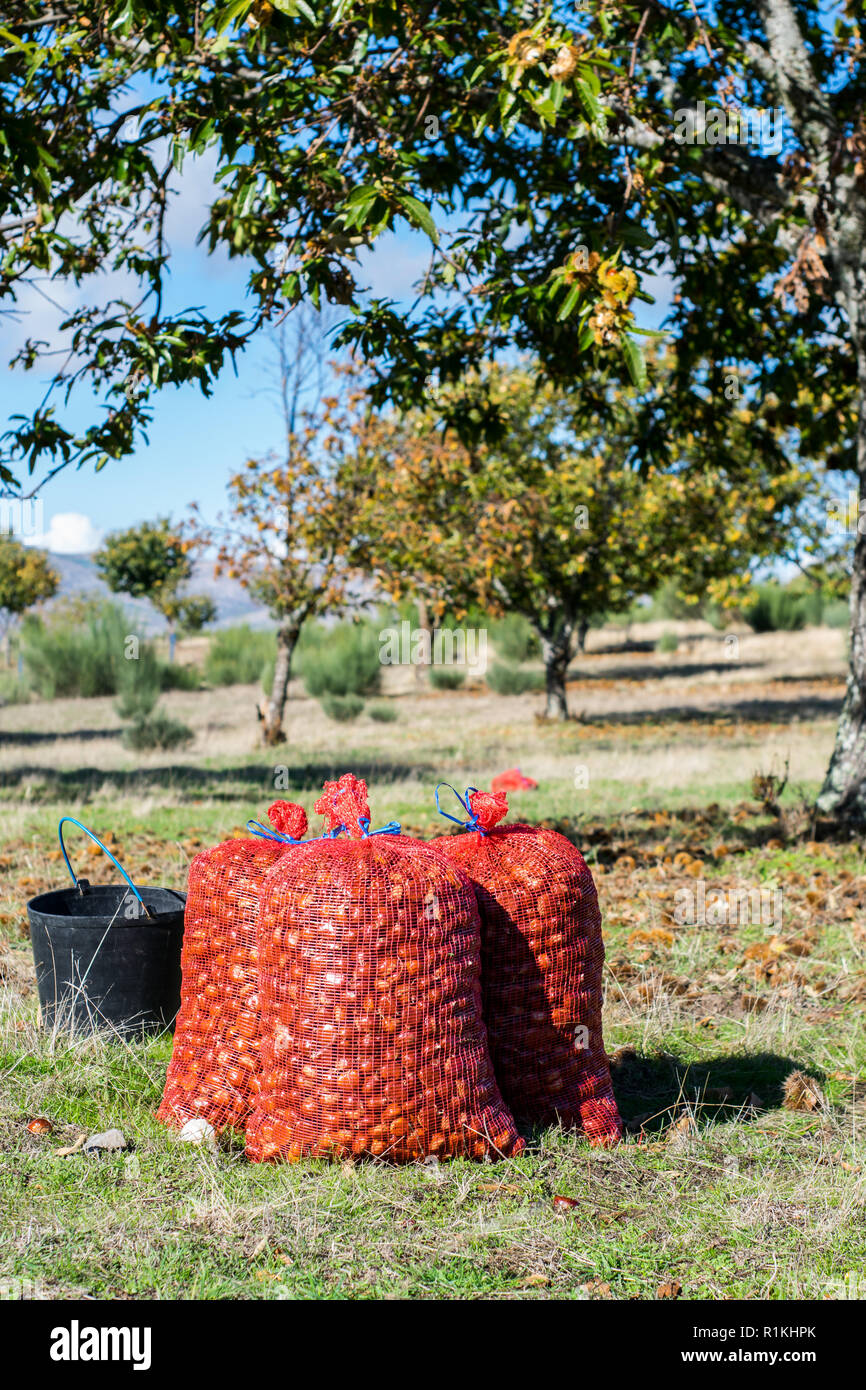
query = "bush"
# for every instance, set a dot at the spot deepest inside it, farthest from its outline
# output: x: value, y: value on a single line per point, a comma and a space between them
x: 87, y: 658
x: 138, y: 686
x: 342, y: 660
x: 13, y: 690
x: 511, y: 680
x: 514, y: 638
x: 237, y: 655
x: 837, y: 613
x: 447, y: 677
x: 776, y: 609
x: 156, y: 732
x: 383, y: 714
x: 342, y: 708
x: 172, y: 676
x: 668, y: 642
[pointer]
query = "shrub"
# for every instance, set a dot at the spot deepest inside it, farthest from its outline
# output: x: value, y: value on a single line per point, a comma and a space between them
x: 342, y: 660
x: 447, y: 677
x: 13, y: 690
x: 837, y: 613
x: 237, y: 655
x: 342, y: 708
x: 172, y: 676
x: 138, y: 686
x: 512, y: 680
x: 514, y: 638
x: 776, y: 609
x: 156, y: 732
x: 383, y: 714
x: 80, y: 659
x: 668, y: 642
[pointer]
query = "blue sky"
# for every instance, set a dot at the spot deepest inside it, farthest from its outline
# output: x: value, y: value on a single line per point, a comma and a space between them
x: 194, y: 443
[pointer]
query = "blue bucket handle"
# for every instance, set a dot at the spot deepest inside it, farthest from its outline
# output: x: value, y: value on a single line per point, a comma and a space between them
x: 104, y: 849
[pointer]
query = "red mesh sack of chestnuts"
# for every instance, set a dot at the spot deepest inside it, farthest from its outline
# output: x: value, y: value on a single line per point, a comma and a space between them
x: 213, y: 1073
x: 369, y: 960
x: 541, y: 967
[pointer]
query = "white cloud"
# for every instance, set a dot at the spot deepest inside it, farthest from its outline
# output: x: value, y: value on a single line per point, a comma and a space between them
x: 68, y: 533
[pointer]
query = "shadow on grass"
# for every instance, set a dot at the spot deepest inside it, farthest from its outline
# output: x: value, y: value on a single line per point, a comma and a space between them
x: 28, y: 737
x: 652, y: 1091
x: 636, y: 674
x: 762, y: 711
x: 218, y: 784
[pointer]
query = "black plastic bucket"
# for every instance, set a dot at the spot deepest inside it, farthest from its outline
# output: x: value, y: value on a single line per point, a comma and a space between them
x: 107, y: 957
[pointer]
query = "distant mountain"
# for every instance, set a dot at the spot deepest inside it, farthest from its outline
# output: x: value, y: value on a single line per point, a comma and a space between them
x: 78, y: 576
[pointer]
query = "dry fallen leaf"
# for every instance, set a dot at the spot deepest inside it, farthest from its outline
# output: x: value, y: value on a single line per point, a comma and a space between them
x: 683, y: 1126
x: 564, y: 1203
x: 534, y: 1281
x: 71, y: 1148
x: 673, y: 1289
x: 596, y: 1288
x: 651, y: 936
x: 802, y: 1093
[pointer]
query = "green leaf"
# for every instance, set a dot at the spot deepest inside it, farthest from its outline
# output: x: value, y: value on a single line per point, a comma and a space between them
x: 634, y: 360
x: 419, y: 216
x: 232, y: 12
x: 570, y: 300
x: 293, y: 7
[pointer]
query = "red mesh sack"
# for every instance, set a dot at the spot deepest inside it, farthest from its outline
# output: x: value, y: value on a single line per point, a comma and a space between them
x: 541, y: 966
x: 213, y: 1072
x: 374, y: 1044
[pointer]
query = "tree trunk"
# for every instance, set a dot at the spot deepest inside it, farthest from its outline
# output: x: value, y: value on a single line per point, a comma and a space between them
x: 843, y: 795
x: 557, y: 651
x: 272, y: 731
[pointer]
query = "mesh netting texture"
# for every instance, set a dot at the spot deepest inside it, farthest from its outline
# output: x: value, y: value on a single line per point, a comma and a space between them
x: 373, y: 1042
x: 542, y: 959
x: 214, y: 1069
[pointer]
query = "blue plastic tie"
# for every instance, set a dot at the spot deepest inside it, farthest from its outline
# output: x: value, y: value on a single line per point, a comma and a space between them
x: 472, y: 822
x: 104, y: 849
x: 392, y: 828
x: 265, y: 832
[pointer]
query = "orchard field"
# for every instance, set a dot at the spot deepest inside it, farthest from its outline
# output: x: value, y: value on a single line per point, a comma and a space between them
x: 737, y: 1043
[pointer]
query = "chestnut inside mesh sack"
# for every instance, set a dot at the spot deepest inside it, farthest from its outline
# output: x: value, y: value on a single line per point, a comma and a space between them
x: 373, y: 1043
x: 541, y: 967
x: 214, y: 1068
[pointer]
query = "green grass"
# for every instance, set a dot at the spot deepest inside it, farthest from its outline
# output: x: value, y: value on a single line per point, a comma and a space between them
x: 745, y: 1204
x: 717, y: 1186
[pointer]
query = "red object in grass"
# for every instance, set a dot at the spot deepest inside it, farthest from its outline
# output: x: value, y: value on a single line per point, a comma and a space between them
x: 373, y: 1040
x: 214, y: 1069
x: 512, y: 781
x: 542, y: 956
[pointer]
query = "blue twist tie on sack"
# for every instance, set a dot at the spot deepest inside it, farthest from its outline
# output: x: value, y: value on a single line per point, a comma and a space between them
x: 472, y: 822
x: 392, y: 828
x: 265, y: 832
